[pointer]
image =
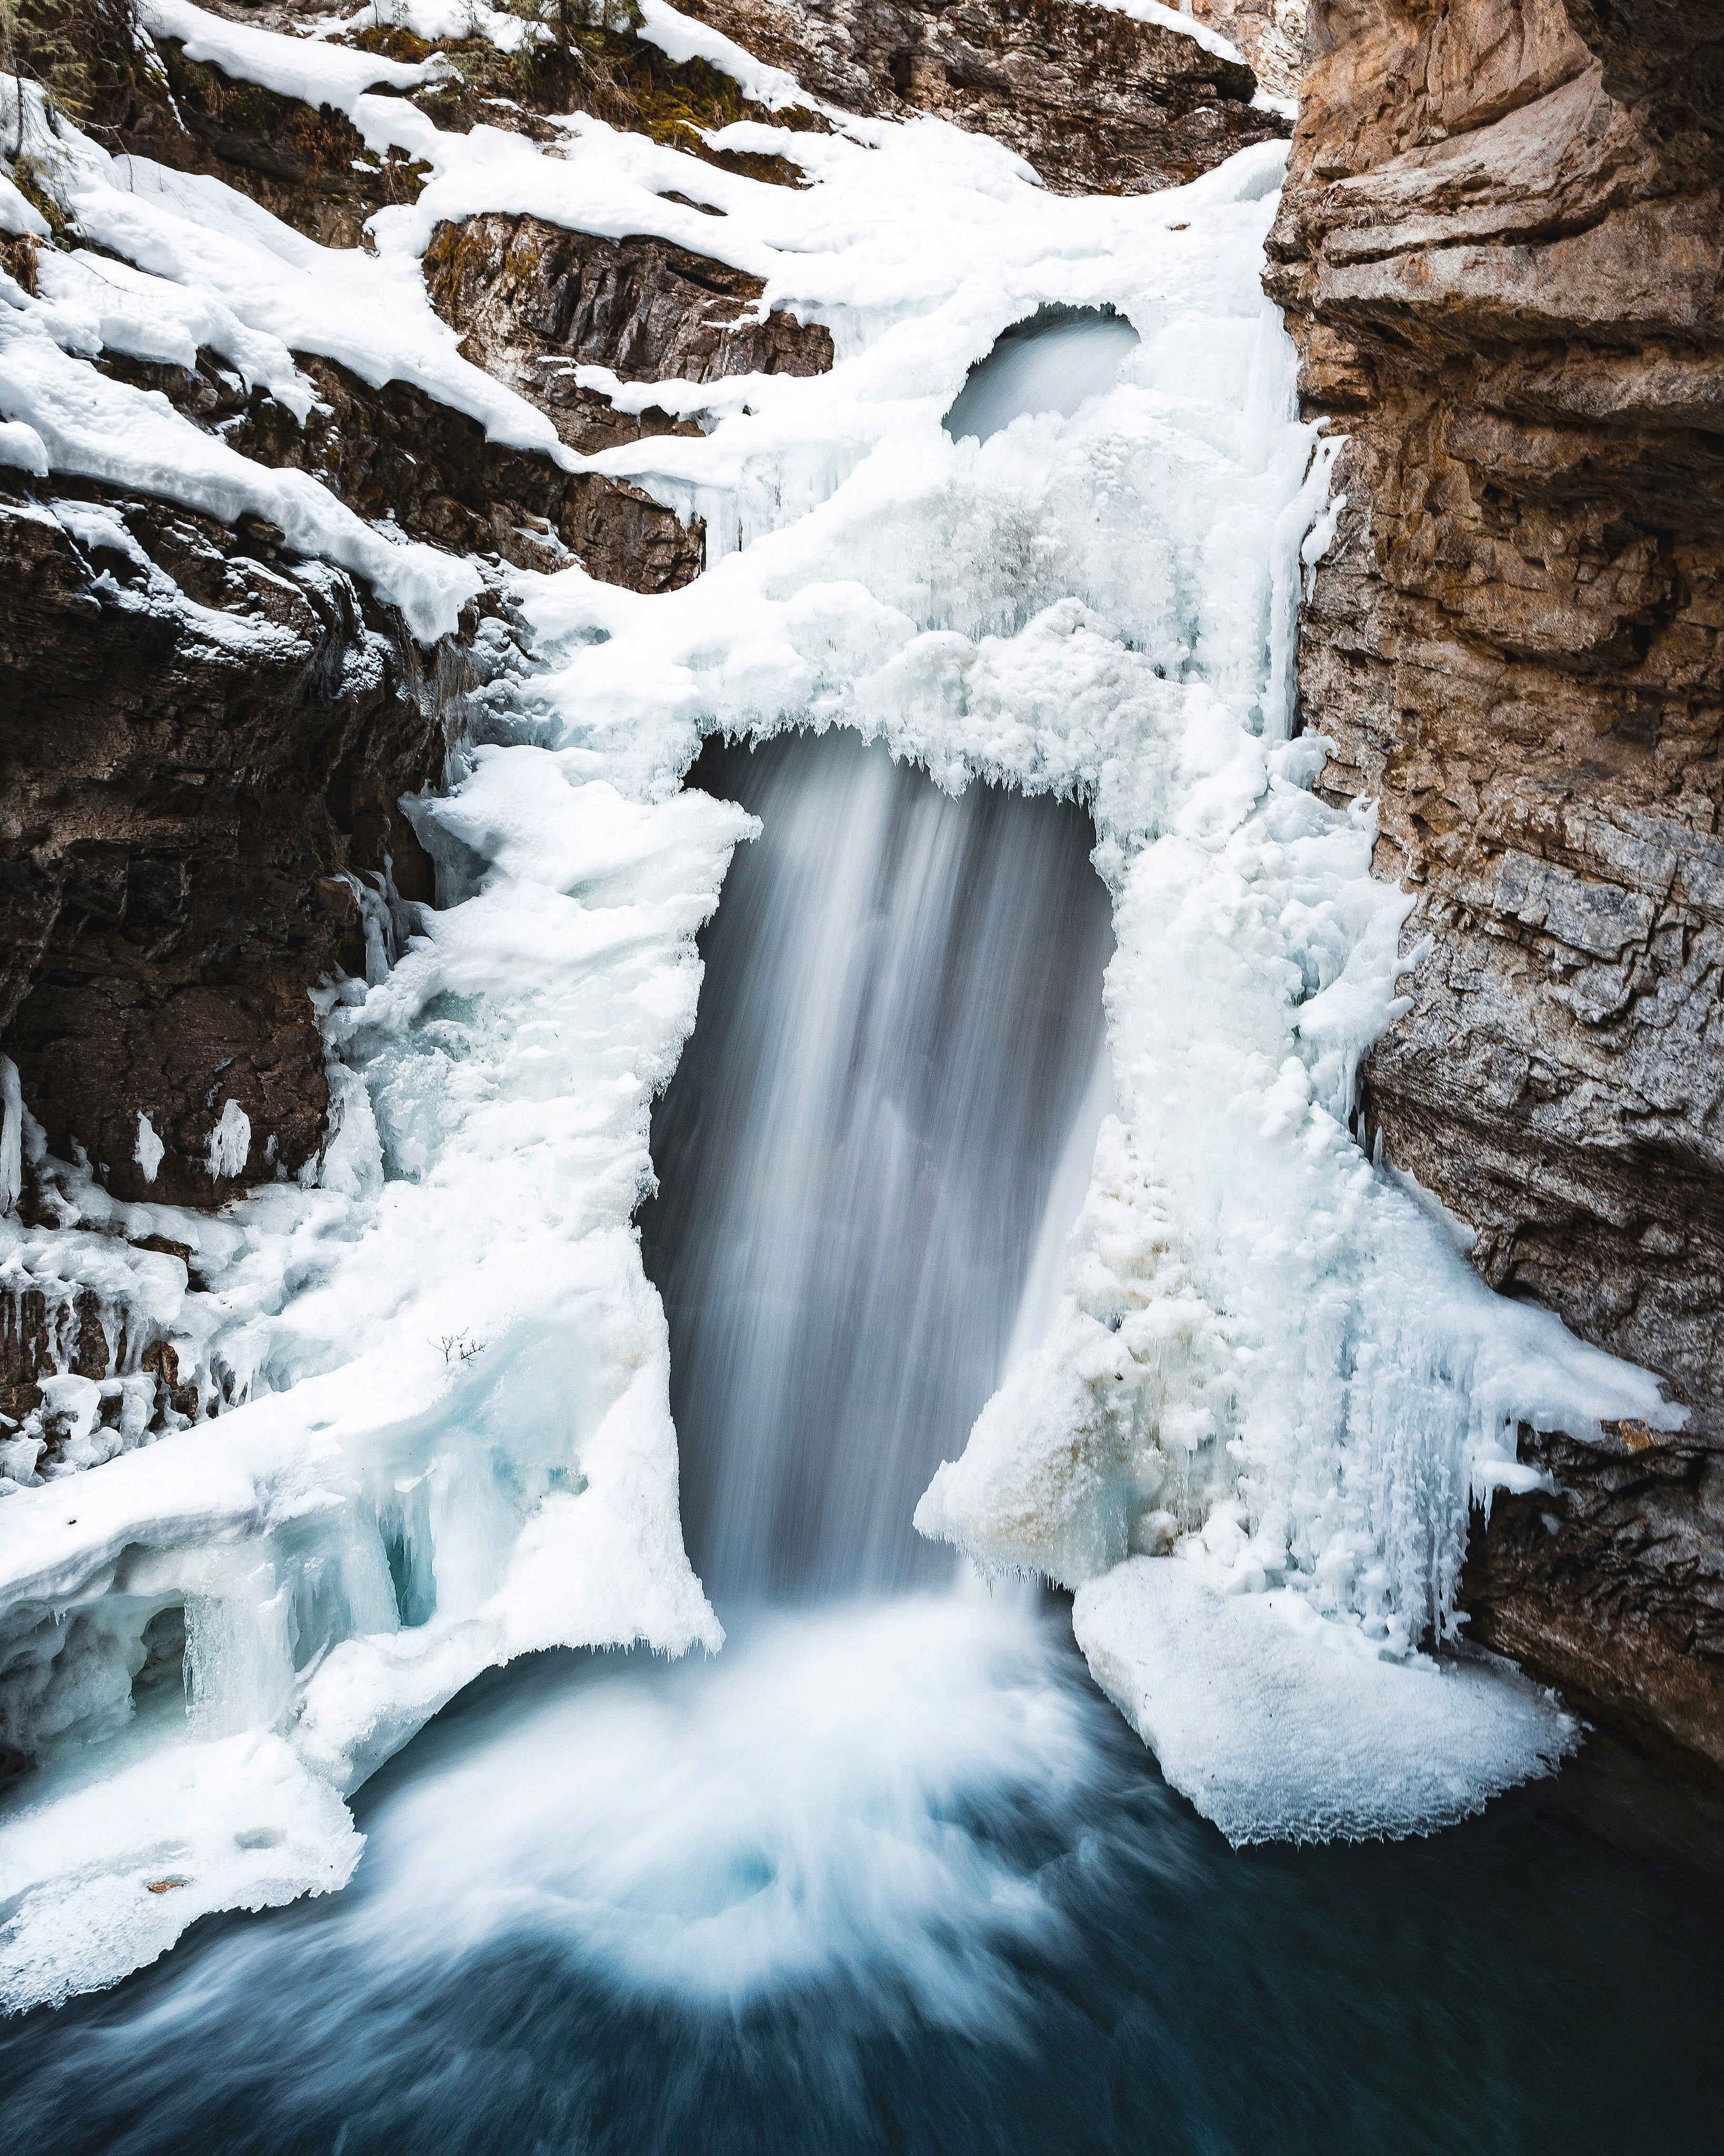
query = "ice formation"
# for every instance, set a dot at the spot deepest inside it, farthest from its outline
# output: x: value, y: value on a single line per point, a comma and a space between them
x: 445, y: 1437
x: 1281, y: 1727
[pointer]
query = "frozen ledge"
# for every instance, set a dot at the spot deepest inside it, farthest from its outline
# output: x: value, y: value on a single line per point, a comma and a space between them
x: 105, y: 1879
x: 1281, y: 1727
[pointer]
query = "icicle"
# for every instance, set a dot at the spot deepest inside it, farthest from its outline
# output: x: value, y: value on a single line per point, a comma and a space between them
x: 11, y: 1134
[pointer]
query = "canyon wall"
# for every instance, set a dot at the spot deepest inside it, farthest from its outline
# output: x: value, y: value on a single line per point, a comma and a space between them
x: 1501, y: 252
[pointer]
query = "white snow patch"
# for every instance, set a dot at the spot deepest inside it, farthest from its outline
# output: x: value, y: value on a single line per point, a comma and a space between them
x: 22, y: 448
x: 85, y: 424
x: 149, y: 1149
x: 103, y: 1880
x: 292, y: 67
x: 680, y: 38
x: 19, y: 217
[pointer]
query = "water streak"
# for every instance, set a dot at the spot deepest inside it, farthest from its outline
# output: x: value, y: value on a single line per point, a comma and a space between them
x: 899, y: 1027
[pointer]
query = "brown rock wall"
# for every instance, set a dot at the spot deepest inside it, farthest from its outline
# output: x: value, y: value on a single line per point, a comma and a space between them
x: 396, y: 452
x: 1501, y: 253
x: 1612, y: 1585
x: 534, y: 301
x: 1270, y: 33
x: 202, y: 739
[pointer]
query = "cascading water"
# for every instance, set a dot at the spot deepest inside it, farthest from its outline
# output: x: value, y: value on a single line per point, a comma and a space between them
x: 901, y: 1023
x: 861, y: 1208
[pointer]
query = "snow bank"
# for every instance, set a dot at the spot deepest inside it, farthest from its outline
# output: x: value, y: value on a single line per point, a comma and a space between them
x: 1279, y: 1727
x: 682, y: 38
x: 106, y: 1879
x: 292, y: 67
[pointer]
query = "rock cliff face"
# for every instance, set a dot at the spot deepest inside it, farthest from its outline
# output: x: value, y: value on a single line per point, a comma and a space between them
x: 1096, y: 101
x: 1270, y: 33
x: 534, y: 303
x: 1501, y: 253
x: 204, y: 749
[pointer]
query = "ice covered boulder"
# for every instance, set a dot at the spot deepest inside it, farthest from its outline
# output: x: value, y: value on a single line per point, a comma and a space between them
x: 1280, y: 1725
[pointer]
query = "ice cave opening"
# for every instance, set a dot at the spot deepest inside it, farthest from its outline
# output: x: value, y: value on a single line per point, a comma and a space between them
x: 1051, y: 361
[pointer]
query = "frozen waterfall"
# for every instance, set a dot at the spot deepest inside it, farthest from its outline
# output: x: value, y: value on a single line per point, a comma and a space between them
x: 1035, y: 540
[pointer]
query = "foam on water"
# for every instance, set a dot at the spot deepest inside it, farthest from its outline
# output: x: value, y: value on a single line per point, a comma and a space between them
x: 802, y: 1812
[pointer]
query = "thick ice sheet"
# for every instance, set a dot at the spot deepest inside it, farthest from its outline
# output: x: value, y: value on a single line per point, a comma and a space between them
x: 106, y: 1879
x: 459, y: 1446
x: 1282, y: 1726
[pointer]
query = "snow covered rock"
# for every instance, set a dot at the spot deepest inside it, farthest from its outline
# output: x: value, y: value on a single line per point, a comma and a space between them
x: 208, y: 739
x: 1095, y: 99
x: 536, y: 303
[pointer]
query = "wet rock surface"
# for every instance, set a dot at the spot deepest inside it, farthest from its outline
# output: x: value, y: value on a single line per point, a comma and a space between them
x: 1501, y: 251
x: 533, y: 302
x: 1612, y: 1586
x: 1097, y: 102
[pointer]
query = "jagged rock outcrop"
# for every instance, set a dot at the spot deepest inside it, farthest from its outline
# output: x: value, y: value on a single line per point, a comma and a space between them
x: 534, y: 301
x: 1612, y: 1585
x: 1501, y: 253
x: 396, y: 452
x: 1270, y: 33
x: 205, y: 747
x: 1098, y: 102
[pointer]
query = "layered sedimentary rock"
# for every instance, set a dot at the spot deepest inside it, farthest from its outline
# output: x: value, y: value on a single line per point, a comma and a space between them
x: 1501, y: 253
x: 1269, y: 33
x: 534, y: 302
x: 1095, y: 100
